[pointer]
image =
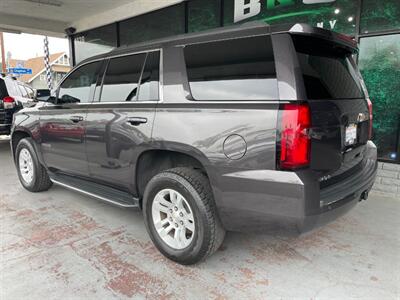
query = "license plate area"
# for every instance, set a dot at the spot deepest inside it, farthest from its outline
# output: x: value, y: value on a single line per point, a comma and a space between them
x: 351, y: 135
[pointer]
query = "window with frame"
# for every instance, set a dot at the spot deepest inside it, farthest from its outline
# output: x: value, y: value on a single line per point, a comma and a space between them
x: 77, y: 86
x: 121, y: 82
x: 237, y: 69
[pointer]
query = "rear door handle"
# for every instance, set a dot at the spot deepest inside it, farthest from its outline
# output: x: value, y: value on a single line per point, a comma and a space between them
x: 76, y: 119
x: 136, y: 121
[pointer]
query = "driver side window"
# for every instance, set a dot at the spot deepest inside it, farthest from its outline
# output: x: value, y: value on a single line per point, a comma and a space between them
x: 76, y: 88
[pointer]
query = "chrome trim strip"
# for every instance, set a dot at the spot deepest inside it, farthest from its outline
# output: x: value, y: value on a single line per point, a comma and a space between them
x: 93, y: 195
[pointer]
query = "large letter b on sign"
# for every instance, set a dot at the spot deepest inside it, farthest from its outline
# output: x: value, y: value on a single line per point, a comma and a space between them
x: 246, y: 9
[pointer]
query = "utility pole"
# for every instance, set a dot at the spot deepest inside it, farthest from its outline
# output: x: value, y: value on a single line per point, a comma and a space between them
x: 3, y: 56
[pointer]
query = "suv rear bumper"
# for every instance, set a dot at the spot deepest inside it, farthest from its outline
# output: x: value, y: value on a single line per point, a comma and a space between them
x: 290, y: 202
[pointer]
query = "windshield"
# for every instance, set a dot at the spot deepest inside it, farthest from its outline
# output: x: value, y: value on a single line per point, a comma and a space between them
x: 327, y: 69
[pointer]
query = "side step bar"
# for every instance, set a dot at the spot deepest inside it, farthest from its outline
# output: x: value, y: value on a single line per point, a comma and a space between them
x: 98, y: 191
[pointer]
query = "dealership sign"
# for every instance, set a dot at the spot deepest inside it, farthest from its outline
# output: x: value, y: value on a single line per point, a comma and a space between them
x: 245, y: 9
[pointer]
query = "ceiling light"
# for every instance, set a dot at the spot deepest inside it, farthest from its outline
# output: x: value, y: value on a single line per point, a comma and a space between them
x: 350, y: 19
x: 337, y: 11
x: 46, y: 2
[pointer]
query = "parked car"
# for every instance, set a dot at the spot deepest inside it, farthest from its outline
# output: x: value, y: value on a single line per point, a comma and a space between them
x: 14, y: 95
x: 250, y: 127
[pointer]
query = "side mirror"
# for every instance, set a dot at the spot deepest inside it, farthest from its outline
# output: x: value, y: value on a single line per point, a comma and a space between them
x: 42, y: 95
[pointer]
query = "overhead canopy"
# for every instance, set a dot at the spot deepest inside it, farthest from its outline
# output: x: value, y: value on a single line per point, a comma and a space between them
x: 52, y: 17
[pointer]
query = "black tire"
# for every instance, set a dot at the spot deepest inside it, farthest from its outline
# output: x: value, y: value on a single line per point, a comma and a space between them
x: 41, y: 181
x: 195, y: 188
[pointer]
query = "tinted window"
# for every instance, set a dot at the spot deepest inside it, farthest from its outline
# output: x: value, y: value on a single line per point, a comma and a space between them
x: 203, y: 15
x: 241, y: 69
x: 327, y: 70
x: 160, y: 23
x: 122, y: 78
x: 380, y: 15
x: 96, y: 41
x: 380, y: 66
x: 149, y: 87
x: 76, y: 88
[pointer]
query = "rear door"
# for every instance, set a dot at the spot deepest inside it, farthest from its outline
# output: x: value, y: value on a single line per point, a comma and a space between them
x: 334, y: 91
x: 62, y: 124
x: 119, y: 124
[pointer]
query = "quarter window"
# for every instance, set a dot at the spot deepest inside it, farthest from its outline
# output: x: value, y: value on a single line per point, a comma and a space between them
x: 239, y: 69
x: 132, y: 78
x: 76, y: 88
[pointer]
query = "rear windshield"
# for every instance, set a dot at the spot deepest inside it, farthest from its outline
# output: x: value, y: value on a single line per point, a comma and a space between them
x: 328, y: 70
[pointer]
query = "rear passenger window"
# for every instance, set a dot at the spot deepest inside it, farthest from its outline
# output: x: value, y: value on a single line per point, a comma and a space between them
x: 239, y: 69
x: 149, y: 85
x: 121, y: 82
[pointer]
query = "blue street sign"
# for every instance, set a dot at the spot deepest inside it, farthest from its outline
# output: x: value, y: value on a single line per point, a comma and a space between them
x: 22, y: 71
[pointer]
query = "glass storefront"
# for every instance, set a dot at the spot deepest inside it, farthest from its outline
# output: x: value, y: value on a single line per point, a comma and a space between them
x: 166, y: 22
x: 379, y: 62
x: 339, y: 15
x: 96, y: 41
x: 379, y: 15
x: 203, y: 15
x: 375, y: 24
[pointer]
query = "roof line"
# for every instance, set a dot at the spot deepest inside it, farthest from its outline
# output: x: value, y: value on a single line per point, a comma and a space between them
x: 44, y: 69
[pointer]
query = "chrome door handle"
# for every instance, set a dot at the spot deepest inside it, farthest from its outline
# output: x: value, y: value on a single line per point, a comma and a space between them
x: 76, y: 119
x: 136, y: 121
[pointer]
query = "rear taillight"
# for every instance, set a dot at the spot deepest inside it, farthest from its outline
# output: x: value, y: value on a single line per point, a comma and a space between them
x: 295, y: 144
x: 8, y: 102
x: 370, y: 118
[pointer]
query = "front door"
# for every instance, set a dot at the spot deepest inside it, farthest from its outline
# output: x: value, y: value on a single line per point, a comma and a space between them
x: 62, y: 124
x: 119, y: 124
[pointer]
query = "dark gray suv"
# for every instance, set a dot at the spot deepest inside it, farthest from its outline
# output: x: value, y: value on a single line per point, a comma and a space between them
x: 251, y: 127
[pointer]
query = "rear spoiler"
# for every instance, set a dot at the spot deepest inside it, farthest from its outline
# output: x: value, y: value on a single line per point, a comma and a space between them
x: 307, y: 30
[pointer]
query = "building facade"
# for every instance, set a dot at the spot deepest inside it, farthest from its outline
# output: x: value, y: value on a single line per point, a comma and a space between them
x: 374, y: 24
x: 59, y: 63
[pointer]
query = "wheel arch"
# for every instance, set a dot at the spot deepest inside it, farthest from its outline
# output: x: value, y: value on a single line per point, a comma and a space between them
x: 153, y: 161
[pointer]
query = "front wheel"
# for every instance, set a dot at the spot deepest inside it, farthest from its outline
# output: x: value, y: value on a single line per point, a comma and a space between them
x: 181, y: 216
x: 32, y: 175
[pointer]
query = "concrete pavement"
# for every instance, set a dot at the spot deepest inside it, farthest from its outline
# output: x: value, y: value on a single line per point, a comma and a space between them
x: 63, y: 245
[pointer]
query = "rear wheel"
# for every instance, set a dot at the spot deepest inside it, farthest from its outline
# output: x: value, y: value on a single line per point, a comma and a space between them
x: 181, y: 216
x: 32, y: 175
